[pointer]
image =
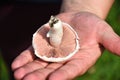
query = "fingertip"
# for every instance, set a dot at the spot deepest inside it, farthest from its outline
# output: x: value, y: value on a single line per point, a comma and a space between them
x: 32, y: 77
x: 57, y: 76
x: 15, y: 65
x: 22, y: 59
x: 19, y: 74
x: 54, y: 77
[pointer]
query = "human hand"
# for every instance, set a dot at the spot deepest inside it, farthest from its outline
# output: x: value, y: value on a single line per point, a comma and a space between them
x: 93, y: 33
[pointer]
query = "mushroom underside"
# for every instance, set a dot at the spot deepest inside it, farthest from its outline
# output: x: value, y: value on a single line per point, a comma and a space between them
x: 43, y: 47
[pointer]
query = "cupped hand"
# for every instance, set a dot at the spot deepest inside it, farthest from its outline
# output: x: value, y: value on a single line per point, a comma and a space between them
x: 93, y: 33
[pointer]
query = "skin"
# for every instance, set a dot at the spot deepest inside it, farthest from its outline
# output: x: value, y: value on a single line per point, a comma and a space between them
x: 95, y: 35
x: 97, y: 7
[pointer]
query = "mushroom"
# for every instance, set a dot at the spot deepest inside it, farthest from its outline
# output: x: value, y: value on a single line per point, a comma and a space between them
x: 55, y: 41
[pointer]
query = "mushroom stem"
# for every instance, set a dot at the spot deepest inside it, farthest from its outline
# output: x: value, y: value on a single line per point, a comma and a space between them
x: 55, y: 33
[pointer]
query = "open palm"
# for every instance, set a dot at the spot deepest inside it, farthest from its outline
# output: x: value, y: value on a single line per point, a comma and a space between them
x: 93, y: 33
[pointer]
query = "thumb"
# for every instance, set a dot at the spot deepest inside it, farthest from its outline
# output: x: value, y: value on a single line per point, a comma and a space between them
x: 109, y: 39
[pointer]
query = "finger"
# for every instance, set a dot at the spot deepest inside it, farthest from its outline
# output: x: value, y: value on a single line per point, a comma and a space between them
x: 75, y: 67
x: 25, y: 57
x: 109, y: 39
x: 67, y: 72
x: 42, y: 74
x: 28, y: 68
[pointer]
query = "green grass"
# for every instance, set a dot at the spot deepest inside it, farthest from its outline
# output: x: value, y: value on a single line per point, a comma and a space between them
x: 4, y: 73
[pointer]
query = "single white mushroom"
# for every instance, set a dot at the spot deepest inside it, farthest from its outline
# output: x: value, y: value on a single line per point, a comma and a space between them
x: 55, y: 41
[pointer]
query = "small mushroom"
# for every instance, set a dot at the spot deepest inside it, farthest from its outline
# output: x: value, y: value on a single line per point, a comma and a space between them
x: 55, y: 41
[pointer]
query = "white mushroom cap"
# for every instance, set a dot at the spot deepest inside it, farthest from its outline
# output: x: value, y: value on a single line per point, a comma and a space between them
x: 68, y: 47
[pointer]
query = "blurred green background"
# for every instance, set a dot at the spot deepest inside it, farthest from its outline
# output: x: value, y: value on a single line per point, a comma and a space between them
x: 4, y: 72
x: 108, y: 65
